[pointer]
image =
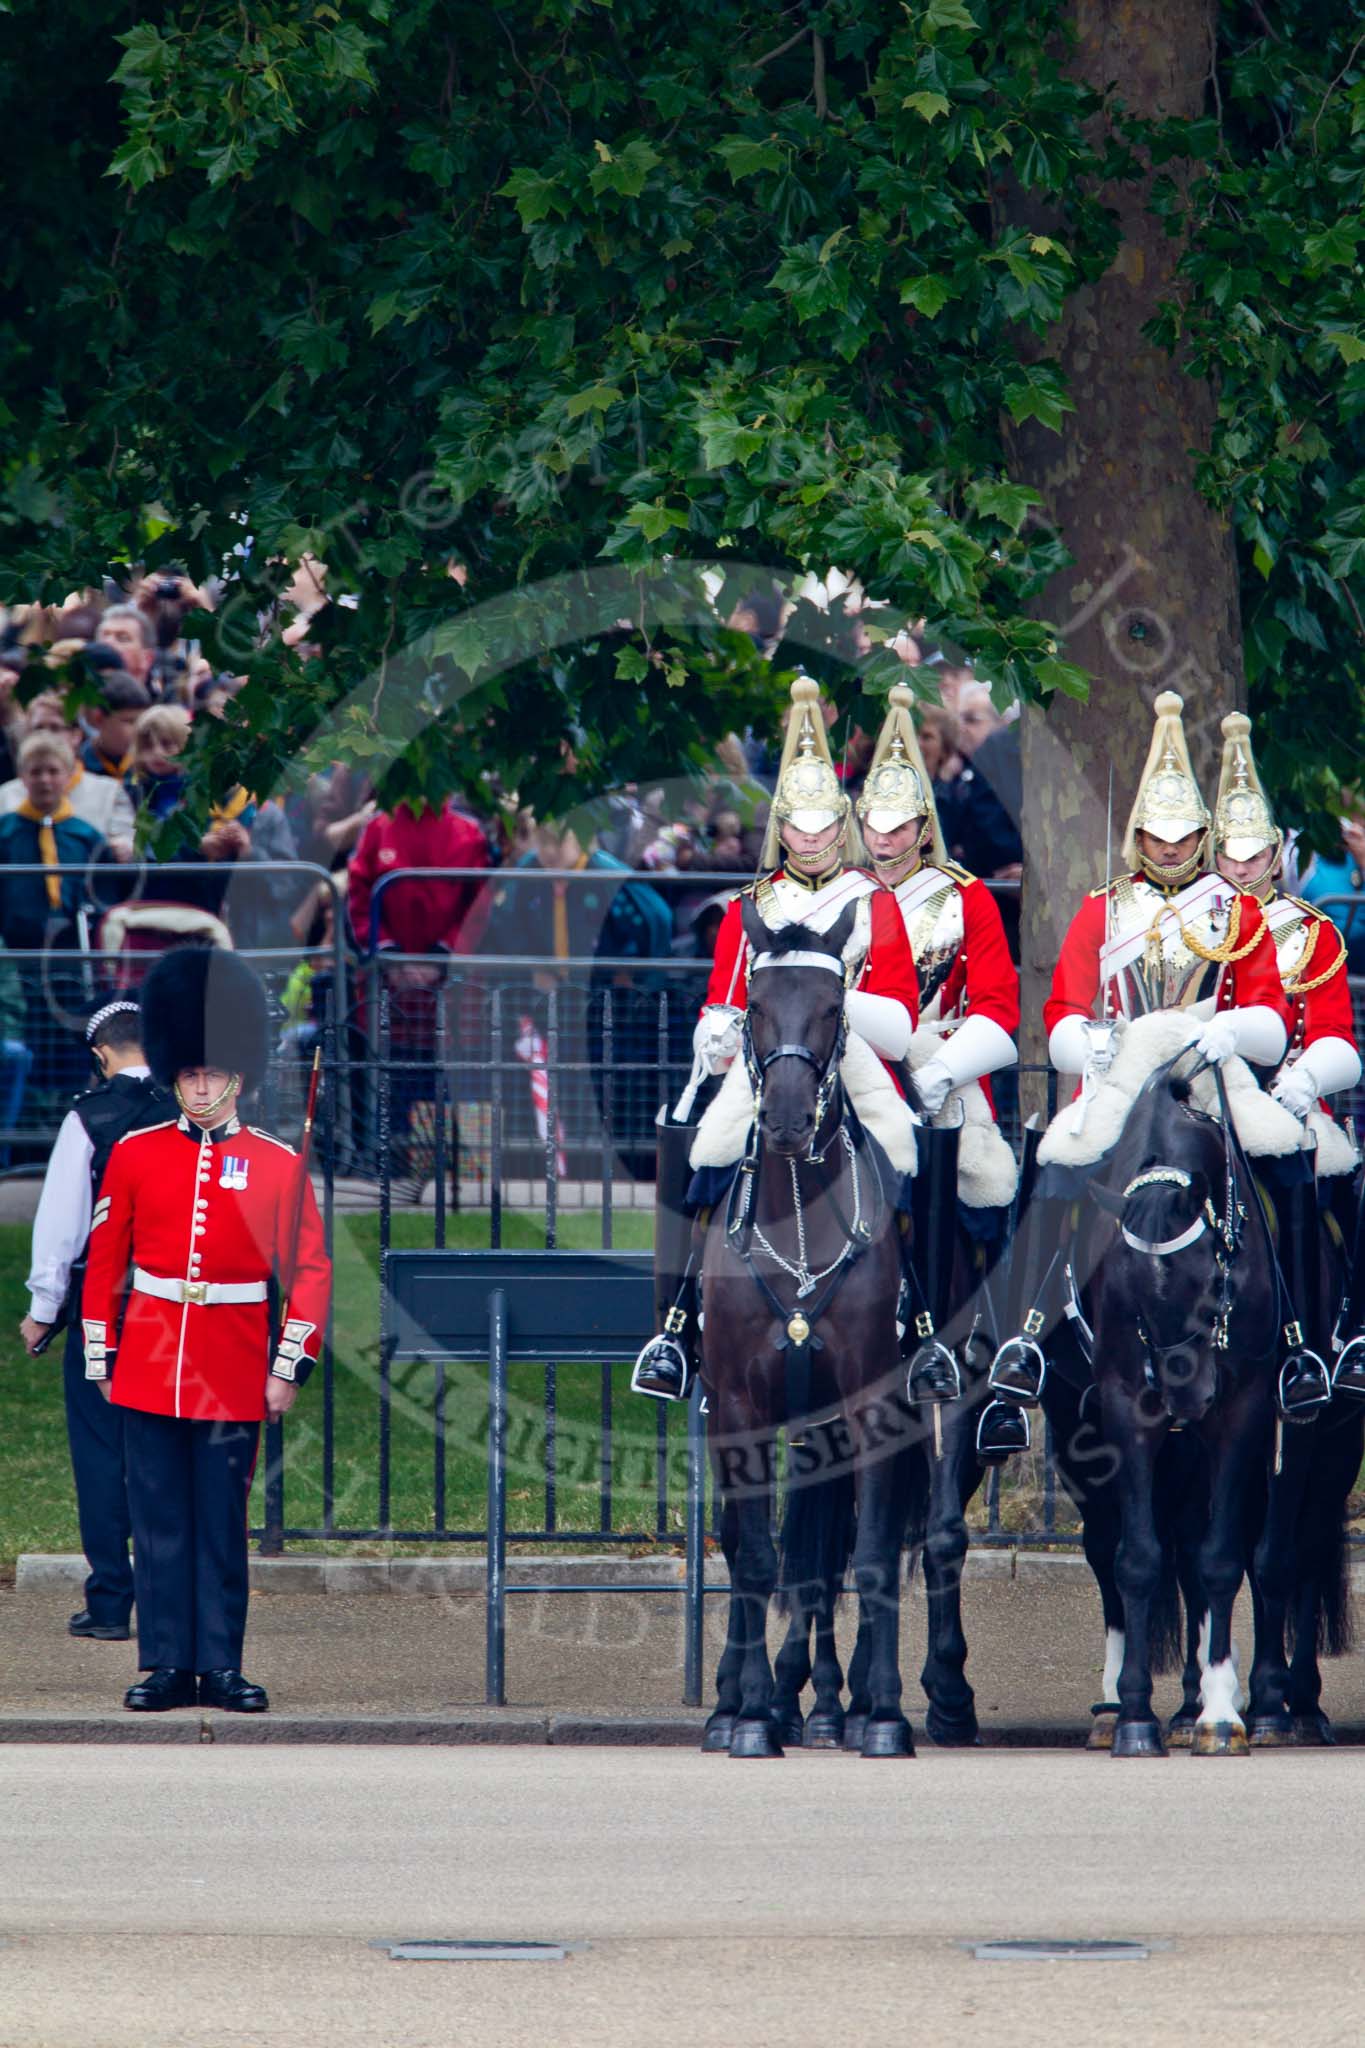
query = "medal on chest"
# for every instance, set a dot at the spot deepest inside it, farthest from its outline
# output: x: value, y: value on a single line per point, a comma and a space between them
x: 233, y: 1174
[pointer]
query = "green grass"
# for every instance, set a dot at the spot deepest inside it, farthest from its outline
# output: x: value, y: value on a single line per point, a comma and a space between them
x: 37, y: 1508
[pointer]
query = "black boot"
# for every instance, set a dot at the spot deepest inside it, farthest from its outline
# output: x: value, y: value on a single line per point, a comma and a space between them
x: 1348, y: 1377
x: 1304, y: 1385
x: 1002, y: 1428
x: 666, y: 1366
x: 1020, y: 1366
x: 927, y: 1259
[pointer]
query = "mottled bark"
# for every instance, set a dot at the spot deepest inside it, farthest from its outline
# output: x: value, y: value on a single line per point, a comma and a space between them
x: 1151, y: 603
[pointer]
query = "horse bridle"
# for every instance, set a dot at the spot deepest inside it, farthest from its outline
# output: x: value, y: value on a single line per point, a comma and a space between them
x: 1226, y: 1228
x: 829, y: 1078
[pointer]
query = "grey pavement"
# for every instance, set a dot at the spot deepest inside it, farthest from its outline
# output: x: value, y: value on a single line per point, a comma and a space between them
x: 336, y: 1661
x: 153, y: 1898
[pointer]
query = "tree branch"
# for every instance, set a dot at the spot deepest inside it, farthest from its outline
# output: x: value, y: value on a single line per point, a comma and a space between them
x: 780, y: 50
x: 1355, y: 51
x: 821, y: 96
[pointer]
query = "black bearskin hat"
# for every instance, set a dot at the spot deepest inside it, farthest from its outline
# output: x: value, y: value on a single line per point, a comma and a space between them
x: 203, y: 1007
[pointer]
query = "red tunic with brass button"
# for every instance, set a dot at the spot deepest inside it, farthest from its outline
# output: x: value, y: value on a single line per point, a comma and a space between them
x: 189, y: 1208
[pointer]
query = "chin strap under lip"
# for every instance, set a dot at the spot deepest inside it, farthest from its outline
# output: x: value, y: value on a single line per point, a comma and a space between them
x: 234, y: 1088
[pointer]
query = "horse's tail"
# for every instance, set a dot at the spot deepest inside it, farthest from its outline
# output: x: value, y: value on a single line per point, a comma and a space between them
x: 1336, y: 1619
x: 818, y: 1527
x: 1165, y: 1628
x: 1328, y: 1571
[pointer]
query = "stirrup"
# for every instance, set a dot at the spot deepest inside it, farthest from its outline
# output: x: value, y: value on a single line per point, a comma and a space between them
x: 934, y: 1374
x: 1002, y: 1428
x: 1304, y: 1386
x: 1348, y: 1374
x: 1018, y: 1371
x: 661, y: 1371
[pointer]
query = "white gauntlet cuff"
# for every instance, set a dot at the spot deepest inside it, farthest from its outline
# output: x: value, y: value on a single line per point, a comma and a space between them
x: 96, y: 1350
x: 290, y: 1354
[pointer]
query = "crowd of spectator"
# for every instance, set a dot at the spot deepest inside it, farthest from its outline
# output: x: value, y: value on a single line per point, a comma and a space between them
x: 98, y: 700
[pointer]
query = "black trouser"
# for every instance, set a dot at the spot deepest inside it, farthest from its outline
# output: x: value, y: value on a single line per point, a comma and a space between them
x: 94, y: 1429
x: 188, y: 1484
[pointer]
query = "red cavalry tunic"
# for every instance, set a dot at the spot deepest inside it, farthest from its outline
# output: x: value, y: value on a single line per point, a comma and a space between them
x: 1254, y: 979
x: 185, y: 1207
x: 1324, y: 1011
x: 888, y: 969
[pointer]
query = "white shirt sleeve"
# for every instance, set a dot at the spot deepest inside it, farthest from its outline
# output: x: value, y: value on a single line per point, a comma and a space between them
x: 62, y: 1224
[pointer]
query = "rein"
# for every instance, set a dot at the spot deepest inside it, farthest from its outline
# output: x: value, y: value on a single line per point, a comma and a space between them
x: 799, y: 1340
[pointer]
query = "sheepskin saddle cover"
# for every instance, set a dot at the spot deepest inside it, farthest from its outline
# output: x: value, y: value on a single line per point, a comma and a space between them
x: 724, y: 1129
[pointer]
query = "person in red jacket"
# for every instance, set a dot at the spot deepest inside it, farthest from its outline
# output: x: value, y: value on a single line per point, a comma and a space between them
x: 206, y: 1212
x: 809, y: 827
x: 1161, y: 935
x: 423, y: 915
x: 418, y: 914
x: 1322, y: 1060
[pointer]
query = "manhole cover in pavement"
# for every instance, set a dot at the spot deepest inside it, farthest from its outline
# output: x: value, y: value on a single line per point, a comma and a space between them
x: 1050, y: 1951
x: 473, y: 1951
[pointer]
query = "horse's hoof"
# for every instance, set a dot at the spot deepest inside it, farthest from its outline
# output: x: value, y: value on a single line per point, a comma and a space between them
x: 1137, y: 1738
x: 888, y: 1738
x: 755, y: 1738
x: 1313, y: 1731
x: 1271, y: 1731
x: 1219, y: 1738
x: 824, y: 1731
x: 1180, y: 1731
x: 855, y: 1727
x: 716, y: 1735
x: 1102, y: 1721
x: 952, y: 1731
x: 791, y: 1730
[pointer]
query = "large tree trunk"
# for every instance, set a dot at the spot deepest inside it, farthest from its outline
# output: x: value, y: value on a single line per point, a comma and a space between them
x: 1151, y: 603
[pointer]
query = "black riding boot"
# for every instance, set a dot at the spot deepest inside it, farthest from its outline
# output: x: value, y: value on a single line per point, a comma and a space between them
x: 927, y: 1261
x: 1304, y: 1384
x: 1020, y: 1367
x: 1349, y: 1374
x: 665, y: 1368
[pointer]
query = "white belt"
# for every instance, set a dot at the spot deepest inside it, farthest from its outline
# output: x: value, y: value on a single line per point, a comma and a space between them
x: 202, y: 1291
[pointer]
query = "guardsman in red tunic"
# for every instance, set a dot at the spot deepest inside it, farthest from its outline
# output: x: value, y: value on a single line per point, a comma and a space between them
x: 968, y: 1017
x: 1150, y: 941
x: 1322, y: 1059
x: 809, y: 827
x: 197, y: 1215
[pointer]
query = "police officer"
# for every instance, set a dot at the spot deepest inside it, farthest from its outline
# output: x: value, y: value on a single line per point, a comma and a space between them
x: 207, y: 1211
x: 125, y: 1100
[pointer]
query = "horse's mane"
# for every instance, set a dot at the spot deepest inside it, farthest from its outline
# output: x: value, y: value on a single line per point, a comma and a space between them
x: 1157, y: 1135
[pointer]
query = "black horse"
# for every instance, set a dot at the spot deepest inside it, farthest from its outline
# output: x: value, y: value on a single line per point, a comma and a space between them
x: 1186, y: 1330
x: 800, y: 1279
x: 1299, y: 1560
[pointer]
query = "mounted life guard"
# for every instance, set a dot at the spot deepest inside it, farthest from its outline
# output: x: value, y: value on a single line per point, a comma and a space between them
x: 1322, y: 1060
x: 1138, y: 957
x: 811, y: 828
x: 968, y: 1015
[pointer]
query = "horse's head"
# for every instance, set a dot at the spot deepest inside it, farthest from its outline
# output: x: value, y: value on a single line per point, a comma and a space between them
x: 1171, y: 1160
x: 795, y: 1025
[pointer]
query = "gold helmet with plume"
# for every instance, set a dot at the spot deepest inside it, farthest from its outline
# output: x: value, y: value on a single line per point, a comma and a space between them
x: 1168, y: 804
x: 809, y: 794
x: 1243, y: 822
x: 898, y: 787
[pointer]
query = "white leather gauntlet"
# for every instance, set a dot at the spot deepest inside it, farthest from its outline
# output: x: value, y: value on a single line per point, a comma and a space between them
x: 881, y: 1020
x: 716, y: 1038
